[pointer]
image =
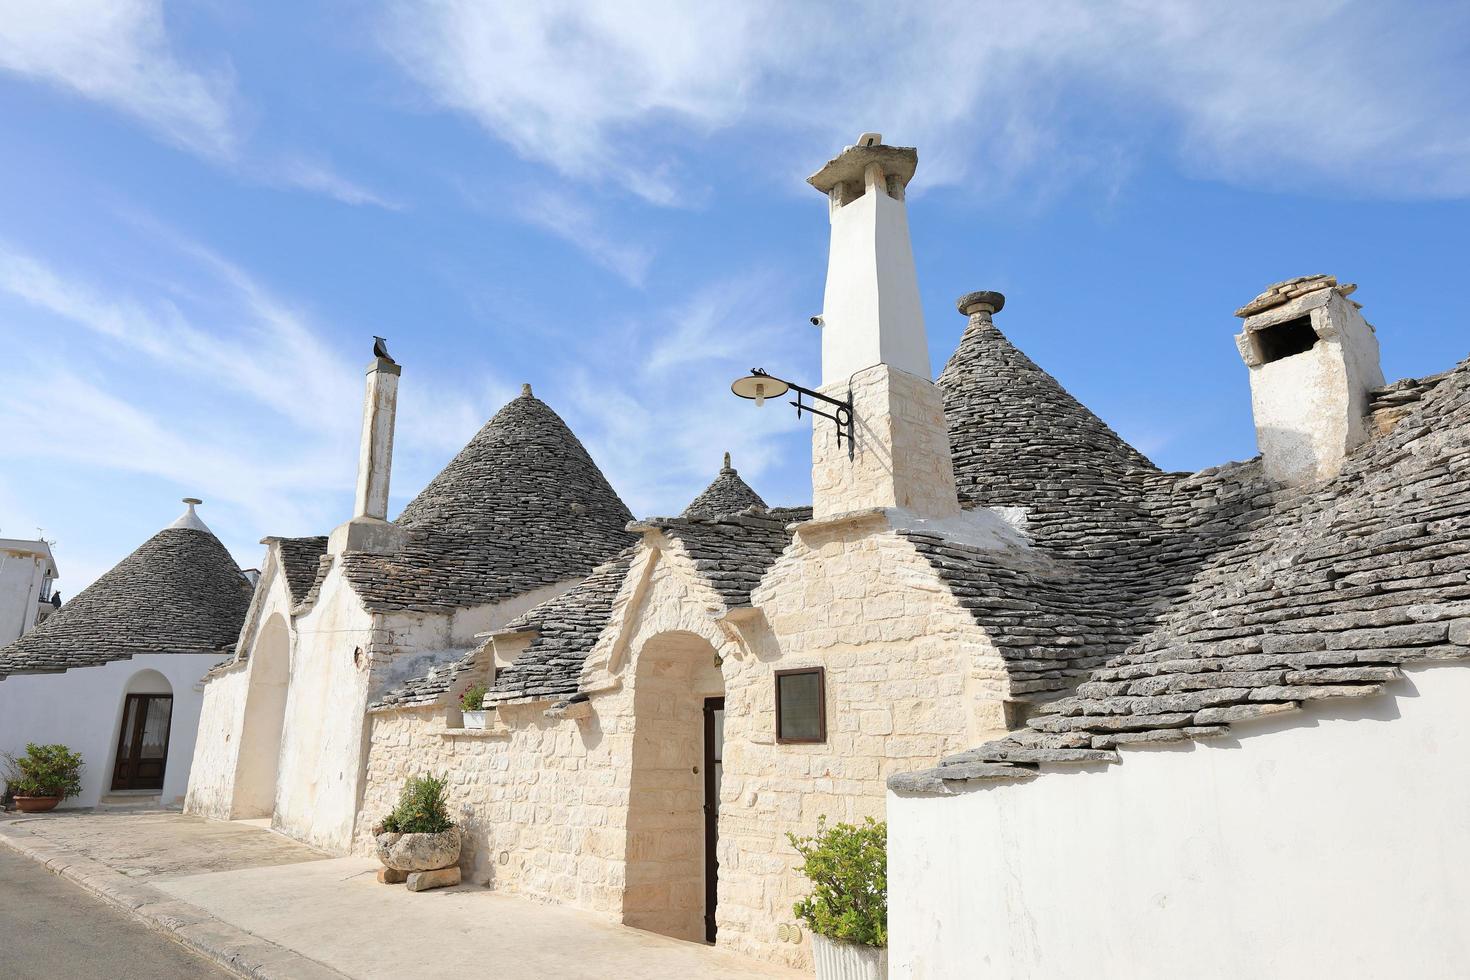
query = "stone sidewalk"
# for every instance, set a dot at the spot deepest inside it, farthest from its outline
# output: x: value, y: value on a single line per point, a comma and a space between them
x: 266, y: 907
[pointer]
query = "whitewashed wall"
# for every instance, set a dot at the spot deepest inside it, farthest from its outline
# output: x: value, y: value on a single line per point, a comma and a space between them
x: 82, y: 709
x: 1330, y: 843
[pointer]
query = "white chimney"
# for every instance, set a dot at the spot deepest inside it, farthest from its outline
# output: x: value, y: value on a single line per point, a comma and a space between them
x: 369, y: 530
x: 375, y: 455
x: 1313, y: 360
x: 873, y: 346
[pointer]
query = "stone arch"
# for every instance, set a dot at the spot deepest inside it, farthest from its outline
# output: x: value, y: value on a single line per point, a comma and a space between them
x: 265, y: 718
x: 670, y: 873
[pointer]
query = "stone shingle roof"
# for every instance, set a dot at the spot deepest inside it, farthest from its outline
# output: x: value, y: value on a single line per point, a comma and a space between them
x: 179, y: 592
x: 567, y: 628
x: 522, y: 506
x: 300, y: 558
x: 1113, y: 538
x: 734, y: 551
x: 727, y: 494
x: 432, y: 686
x: 1267, y: 597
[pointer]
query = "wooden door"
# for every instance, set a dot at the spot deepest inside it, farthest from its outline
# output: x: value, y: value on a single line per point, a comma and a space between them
x: 714, y: 750
x: 142, y: 745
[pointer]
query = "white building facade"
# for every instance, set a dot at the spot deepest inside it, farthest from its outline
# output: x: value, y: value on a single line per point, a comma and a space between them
x: 27, y: 573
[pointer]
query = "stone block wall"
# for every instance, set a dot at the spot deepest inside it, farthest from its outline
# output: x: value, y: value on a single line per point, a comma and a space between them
x: 901, y: 454
x: 550, y: 809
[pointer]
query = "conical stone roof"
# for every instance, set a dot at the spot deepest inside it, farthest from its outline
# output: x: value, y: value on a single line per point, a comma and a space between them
x: 1017, y: 437
x: 179, y: 592
x: 728, y: 494
x: 521, y: 506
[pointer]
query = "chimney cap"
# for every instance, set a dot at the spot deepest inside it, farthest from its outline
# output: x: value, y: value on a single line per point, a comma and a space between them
x: 897, y: 162
x: 983, y: 301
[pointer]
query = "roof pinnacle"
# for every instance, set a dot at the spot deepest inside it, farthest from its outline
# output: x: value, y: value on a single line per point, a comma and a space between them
x: 526, y: 390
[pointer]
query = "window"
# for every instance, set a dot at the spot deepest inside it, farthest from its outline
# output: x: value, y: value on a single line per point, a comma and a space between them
x: 801, y: 705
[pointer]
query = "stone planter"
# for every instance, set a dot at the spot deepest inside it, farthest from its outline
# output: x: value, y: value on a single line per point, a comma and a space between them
x: 36, y: 804
x: 418, y: 852
x: 474, y: 719
x: 848, y: 961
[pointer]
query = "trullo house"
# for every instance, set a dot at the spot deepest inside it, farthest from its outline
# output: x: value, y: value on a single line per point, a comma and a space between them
x: 669, y: 697
x: 115, y: 673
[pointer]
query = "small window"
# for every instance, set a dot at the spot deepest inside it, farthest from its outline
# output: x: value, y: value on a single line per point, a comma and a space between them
x: 1286, y: 339
x: 801, y: 705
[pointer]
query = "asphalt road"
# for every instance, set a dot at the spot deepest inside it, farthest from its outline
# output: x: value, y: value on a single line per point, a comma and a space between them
x: 52, y: 929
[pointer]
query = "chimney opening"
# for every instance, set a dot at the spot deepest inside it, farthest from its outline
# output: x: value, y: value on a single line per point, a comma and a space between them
x: 1283, y: 340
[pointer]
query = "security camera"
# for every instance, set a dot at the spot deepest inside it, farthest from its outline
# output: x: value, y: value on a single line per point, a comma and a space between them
x: 817, y: 320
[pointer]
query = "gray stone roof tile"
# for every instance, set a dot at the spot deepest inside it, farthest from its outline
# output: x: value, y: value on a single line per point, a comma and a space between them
x: 727, y: 494
x: 520, y: 507
x: 567, y: 628
x: 1252, y: 599
x: 734, y: 551
x: 179, y: 592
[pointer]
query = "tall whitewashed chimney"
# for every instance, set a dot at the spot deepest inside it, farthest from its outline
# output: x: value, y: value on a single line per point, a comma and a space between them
x: 1313, y: 360
x: 369, y: 530
x: 874, y: 348
x: 375, y: 454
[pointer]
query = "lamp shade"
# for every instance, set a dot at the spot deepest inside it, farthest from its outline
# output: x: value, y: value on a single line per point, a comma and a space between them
x: 760, y: 387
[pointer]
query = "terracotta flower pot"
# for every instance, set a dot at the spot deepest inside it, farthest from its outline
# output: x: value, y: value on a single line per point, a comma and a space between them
x: 36, y: 804
x: 418, y: 852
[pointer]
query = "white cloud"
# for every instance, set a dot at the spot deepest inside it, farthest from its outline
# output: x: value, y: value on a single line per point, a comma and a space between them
x: 215, y: 387
x: 319, y: 178
x: 652, y: 399
x: 575, y: 222
x: 117, y: 52
x: 1345, y: 93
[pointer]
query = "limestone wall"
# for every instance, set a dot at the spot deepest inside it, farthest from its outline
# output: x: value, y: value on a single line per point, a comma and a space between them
x: 221, y: 717
x: 546, y: 805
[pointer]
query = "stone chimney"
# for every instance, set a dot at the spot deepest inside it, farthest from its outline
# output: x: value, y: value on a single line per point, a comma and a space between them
x: 1313, y: 360
x: 369, y: 530
x: 874, y: 348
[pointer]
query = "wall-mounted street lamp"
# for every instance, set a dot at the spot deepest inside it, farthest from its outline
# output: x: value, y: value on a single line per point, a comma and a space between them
x: 759, y: 386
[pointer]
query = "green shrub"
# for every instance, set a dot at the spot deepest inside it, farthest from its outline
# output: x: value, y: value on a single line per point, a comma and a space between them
x: 421, y: 808
x: 848, y: 868
x: 474, y: 698
x: 45, y: 770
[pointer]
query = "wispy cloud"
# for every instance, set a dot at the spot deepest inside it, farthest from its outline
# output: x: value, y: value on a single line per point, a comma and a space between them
x: 575, y: 222
x: 218, y: 387
x: 656, y: 410
x: 117, y: 52
x: 606, y: 92
x: 318, y: 177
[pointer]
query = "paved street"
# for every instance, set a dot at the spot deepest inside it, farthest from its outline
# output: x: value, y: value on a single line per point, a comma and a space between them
x: 49, y: 927
x: 268, y: 903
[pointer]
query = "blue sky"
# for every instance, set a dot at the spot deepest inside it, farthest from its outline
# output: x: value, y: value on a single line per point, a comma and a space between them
x: 208, y: 208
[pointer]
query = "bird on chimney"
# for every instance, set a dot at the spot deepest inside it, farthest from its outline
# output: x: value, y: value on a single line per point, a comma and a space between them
x: 380, y: 349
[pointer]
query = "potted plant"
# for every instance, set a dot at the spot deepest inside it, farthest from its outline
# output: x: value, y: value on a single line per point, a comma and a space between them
x: 418, y: 834
x: 43, y: 777
x: 847, y: 910
x: 472, y: 705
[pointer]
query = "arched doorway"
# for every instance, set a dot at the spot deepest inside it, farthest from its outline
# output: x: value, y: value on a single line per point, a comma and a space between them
x: 673, y: 808
x: 140, y: 758
x: 265, y: 717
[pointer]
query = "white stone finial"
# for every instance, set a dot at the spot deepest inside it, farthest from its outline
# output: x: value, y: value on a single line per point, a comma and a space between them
x: 526, y: 389
x: 189, y: 519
